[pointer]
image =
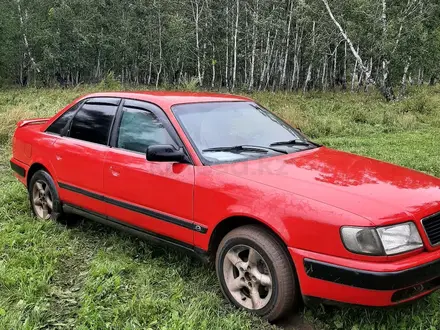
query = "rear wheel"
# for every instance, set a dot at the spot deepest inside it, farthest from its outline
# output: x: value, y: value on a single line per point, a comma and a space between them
x: 44, y: 199
x: 255, y: 272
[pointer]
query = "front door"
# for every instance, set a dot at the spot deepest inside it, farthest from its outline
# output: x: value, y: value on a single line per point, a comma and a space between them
x: 150, y: 196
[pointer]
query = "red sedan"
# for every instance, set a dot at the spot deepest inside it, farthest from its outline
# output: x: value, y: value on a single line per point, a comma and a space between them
x: 284, y: 218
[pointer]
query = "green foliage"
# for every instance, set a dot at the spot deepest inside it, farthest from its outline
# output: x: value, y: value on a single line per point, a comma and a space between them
x: 69, y: 42
x: 93, y: 277
x: 190, y: 84
x: 419, y: 104
x: 109, y: 82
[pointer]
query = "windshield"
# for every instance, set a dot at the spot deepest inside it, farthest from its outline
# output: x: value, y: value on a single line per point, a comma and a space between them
x: 234, y: 131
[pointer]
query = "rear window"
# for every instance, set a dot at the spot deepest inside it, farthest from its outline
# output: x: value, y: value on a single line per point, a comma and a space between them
x: 58, y: 125
x: 92, y: 123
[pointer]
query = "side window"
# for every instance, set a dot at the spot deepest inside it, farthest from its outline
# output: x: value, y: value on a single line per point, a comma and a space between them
x: 139, y: 129
x: 92, y: 123
x: 58, y: 125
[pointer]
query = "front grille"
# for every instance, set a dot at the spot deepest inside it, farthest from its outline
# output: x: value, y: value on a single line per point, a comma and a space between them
x: 432, y: 228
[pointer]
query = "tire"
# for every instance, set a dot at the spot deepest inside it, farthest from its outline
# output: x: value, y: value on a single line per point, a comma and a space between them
x: 46, y: 182
x: 262, y: 281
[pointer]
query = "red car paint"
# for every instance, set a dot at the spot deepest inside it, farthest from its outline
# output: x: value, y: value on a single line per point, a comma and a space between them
x: 304, y: 197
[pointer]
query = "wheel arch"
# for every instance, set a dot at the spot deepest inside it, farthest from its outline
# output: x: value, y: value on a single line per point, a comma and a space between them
x: 33, y: 169
x: 227, y: 225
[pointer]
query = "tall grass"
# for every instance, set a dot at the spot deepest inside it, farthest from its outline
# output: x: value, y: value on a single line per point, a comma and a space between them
x: 92, y: 277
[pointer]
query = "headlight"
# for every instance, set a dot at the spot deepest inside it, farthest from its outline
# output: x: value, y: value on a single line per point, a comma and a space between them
x: 382, y: 240
x: 400, y: 238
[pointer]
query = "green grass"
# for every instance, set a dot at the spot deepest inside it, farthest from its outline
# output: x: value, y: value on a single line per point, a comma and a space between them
x: 92, y: 277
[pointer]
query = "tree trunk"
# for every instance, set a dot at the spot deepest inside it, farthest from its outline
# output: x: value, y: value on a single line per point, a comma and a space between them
x: 286, y: 54
x: 150, y: 68
x: 353, y: 77
x: 227, y: 49
x: 309, y: 70
x: 254, y: 47
x: 335, y: 58
x: 160, y: 50
x: 196, y: 14
x: 324, y: 73
x: 344, y: 74
x: 213, y: 66
x: 234, y: 72
x: 34, y: 65
x: 269, y: 61
x: 368, y: 74
x: 386, y: 88
x: 403, y: 82
x: 345, y: 36
x: 266, y: 53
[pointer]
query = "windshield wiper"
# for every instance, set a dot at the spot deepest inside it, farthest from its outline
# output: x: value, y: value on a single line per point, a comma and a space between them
x: 244, y: 148
x: 291, y: 142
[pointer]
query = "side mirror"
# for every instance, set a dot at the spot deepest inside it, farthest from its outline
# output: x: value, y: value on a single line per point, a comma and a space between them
x: 166, y: 153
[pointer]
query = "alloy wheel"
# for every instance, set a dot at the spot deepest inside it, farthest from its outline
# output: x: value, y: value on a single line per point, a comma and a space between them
x: 42, y: 200
x: 247, y: 277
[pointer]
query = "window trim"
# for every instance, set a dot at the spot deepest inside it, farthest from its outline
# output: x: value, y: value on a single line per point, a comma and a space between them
x: 92, y: 100
x: 158, y: 112
x: 118, y: 131
x: 79, y: 104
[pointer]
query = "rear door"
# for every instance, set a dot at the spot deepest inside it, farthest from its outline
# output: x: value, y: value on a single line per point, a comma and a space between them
x: 79, y: 154
x: 150, y: 196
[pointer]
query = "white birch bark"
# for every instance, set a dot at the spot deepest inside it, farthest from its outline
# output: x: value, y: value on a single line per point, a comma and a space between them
x: 196, y: 9
x: 353, y: 76
x: 266, y: 55
x: 286, y: 54
x: 344, y: 76
x: 403, y: 82
x: 269, y: 60
x: 295, y: 58
x: 25, y: 39
x: 213, y: 63
x: 234, y: 72
x: 227, y: 49
x: 347, y: 39
x: 254, y: 46
x: 335, y: 62
x: 368, y: 74
x: 309, y: 70
x: 160, y: 49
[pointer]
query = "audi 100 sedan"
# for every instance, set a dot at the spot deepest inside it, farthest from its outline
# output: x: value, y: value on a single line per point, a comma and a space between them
x: 284, y: 218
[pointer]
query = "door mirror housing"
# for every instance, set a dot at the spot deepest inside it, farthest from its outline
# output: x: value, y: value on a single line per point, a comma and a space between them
x: 166, y: 153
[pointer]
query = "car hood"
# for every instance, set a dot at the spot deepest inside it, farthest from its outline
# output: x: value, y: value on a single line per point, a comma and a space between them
x: 375, y: 190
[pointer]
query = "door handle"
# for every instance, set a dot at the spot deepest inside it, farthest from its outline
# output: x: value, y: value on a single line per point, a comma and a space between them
x: 114, y: 172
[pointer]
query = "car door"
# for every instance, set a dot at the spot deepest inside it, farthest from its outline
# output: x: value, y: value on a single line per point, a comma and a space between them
x: 79, y: 154
x: 155, y: 197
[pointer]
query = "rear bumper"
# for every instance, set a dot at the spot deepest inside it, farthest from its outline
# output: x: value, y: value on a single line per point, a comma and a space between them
x: 364, y: 283
x: 20, y: 169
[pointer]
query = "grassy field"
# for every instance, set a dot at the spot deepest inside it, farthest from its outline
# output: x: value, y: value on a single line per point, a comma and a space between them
x: 92, y: 277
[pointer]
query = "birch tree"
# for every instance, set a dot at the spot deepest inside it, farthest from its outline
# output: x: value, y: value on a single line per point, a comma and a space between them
x: 226, y: 44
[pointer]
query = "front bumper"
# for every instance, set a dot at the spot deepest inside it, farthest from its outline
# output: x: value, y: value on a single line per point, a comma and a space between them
x: 366, y: 283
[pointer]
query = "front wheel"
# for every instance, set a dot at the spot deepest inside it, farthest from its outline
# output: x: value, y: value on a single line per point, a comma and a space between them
x: 255, y: 272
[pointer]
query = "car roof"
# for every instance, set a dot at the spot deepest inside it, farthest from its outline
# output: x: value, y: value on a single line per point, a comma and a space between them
x: 166, y: 99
